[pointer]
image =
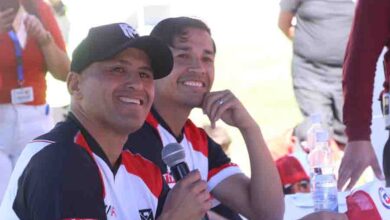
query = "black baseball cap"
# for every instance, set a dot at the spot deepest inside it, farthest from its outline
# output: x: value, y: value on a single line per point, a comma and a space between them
x: 106, y: 41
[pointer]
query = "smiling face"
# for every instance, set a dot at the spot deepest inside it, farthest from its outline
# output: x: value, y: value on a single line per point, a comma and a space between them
x: 117, y: 93
x: 192, y: 75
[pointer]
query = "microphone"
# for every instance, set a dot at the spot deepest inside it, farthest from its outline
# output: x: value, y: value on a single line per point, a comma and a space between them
x: 174, y: 156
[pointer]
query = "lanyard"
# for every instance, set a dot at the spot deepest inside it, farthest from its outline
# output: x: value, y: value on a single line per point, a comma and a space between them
x: 18, y: 54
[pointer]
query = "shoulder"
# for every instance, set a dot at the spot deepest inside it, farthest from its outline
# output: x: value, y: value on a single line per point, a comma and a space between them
x: 145, y: 141
x: 197, y: 136
x: 43, y: 8
x: 145, y: 132
x: 53, y: 151
x: 144, y: 169
x: 290, y: 5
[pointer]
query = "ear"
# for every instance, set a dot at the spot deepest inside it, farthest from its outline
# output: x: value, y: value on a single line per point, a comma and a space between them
x: 73, y: 84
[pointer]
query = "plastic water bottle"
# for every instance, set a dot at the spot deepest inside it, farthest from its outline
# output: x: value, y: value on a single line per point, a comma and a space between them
x: 323, y: 180
x: 316, y: 126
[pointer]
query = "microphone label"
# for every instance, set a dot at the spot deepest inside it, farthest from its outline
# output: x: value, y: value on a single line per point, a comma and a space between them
x: 169, y: 179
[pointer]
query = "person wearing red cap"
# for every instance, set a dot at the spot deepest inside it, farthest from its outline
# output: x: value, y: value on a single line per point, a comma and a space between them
x: 292, y: 175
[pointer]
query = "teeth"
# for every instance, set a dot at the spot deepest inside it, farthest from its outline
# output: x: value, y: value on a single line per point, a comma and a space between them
x: 193, y: 83
x: 130, y: 100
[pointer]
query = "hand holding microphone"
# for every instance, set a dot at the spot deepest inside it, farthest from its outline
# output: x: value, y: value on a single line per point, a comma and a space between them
x: 189, y: 198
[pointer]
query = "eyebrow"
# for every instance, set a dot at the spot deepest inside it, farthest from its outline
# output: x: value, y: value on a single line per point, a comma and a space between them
x: 147, y: 68
x: 184, y: 48
x: 126, y: 62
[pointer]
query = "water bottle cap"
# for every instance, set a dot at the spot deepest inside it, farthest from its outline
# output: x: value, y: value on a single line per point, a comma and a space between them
x: 322, y: 136
x: 315, y: 118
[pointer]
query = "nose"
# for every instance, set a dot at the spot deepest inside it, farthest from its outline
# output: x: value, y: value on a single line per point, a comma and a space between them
x: 134, y: 81
x: 196, y: 66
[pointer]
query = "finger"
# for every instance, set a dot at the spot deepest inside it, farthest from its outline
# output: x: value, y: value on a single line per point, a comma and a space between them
x: 341, y: 181
x: 7, y: 12
x: 203, y: 195
x: 212, y: 123
x: 218, y: 104
x: 228, y: 103
x: 6, y: 27
x: 344, y: 175
x: 199, y: 187
x: 209, y: 100
x: 191, y: 177
x: 207, y: 205
x: 8, y: 18
x: 354, y: 178
x: 27, y: 23
x: 377, y: 169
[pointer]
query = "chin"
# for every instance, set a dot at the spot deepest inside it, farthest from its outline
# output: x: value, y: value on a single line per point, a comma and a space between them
x: 194, y: 102
x: 130, y: 127
x: 131, y: 123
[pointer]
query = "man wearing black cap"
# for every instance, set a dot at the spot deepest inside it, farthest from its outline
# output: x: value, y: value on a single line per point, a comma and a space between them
x: 79, y: 169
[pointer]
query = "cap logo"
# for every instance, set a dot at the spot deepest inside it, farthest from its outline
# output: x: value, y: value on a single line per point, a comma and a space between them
x: 384, y: 197
x: 128, y: 31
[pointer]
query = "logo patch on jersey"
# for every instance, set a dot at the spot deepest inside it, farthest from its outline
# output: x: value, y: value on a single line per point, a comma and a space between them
x: 146, y: 214
x: 384, y: 197
x: 110, y: 211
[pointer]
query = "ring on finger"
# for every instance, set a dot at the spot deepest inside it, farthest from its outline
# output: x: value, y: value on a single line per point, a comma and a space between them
x: 220, y: 101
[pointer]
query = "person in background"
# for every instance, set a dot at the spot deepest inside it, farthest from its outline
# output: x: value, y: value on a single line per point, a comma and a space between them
x: 30, y: 45
x: 79, y: 169
x: 60, y: 13
x: 188, y: 87
x: 319, y: 39
x: 293, y: 176
x: 220, y: 136
x: 370, y: 34
x: 24, y: 113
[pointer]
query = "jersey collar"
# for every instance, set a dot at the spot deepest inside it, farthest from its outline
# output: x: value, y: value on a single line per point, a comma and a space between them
x: 92, y: 145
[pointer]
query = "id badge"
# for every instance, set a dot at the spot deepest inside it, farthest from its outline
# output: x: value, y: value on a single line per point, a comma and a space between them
x: 22, y: 95
x: 386, y: 109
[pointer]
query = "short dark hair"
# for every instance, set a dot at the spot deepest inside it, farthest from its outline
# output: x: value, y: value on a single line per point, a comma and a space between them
x: 167, y: 29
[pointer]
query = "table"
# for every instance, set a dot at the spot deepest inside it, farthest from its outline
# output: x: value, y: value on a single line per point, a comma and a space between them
x: 301, y: 204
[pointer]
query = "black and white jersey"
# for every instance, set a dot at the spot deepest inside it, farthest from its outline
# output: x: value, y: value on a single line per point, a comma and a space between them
x: 65, y: 174
x: 202, y: 153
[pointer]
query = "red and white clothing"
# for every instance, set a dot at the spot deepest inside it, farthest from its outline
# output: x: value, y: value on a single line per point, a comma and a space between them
x: 65, y: 174
x: 202, y: 153
x: 30, y: 119
x: 34, y: 67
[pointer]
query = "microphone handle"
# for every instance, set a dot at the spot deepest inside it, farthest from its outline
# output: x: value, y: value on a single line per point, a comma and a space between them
x: 179, y: 171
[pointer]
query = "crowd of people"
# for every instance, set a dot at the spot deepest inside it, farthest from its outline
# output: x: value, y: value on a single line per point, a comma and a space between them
x: 132, y: 95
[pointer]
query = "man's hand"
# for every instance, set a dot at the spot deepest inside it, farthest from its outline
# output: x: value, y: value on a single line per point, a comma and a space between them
x: 224, y: 105
x: 358, y: 155
x: 6, y: 18
x: 325, y: 216
x: 189, y: 199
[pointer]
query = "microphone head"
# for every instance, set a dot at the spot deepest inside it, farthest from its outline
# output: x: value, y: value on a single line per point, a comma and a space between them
x: 173, y: 154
